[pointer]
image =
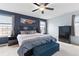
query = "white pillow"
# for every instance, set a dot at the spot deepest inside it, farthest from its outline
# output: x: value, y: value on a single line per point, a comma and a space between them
x: 28, y: 32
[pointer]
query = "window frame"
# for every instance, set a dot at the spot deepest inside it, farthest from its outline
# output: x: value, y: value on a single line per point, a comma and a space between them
x: 11, y: 24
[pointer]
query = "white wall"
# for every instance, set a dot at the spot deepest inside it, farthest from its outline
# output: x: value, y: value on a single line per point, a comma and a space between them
x: 54, y: 23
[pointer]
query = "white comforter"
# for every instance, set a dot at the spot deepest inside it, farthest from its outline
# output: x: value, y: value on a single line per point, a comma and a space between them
x: 23, y: 37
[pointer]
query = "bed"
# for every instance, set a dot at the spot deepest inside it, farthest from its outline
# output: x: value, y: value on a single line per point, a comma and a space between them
x: 28, y: 41
x: 29, y: 37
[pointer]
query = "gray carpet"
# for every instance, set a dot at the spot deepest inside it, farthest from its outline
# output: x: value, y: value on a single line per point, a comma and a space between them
x: 65, y: 50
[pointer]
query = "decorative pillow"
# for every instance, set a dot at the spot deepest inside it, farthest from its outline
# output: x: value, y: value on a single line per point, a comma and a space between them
x: 28, y: 32
x: 24, y: 32
x: 32, y: 32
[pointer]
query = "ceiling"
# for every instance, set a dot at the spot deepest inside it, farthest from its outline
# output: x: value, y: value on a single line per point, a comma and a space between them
x: 26, y: 9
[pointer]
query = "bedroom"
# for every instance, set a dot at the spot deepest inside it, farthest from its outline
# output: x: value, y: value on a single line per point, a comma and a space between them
x: 20, y: 23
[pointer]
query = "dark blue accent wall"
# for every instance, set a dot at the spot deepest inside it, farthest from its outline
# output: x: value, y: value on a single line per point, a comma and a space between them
x: 18, y: 26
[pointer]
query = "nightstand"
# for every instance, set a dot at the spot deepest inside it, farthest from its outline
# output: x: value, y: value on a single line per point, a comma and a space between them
x: 12, y: 41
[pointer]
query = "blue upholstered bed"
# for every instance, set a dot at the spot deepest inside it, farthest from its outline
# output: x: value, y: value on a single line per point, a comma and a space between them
x: 38, y: 45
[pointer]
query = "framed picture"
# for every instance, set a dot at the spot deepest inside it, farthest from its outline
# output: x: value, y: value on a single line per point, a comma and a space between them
x: 27, y: 21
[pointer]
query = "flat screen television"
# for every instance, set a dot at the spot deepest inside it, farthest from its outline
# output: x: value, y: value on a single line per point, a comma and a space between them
x: 64, y: 31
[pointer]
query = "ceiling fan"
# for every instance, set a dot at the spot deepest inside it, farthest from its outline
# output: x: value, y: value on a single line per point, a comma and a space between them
x: 42, y: 7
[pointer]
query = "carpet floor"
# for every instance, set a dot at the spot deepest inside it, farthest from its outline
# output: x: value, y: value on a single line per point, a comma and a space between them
x: 65, y: 50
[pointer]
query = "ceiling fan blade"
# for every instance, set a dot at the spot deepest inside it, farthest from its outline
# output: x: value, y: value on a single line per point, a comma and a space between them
x: 34, y: 10
x: 46, y: 4
x: 42, y: 12
x: 36, y: 4
x: 49, y: 8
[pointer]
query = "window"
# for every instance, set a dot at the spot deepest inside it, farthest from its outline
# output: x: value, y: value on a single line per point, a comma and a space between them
x: 42, y: 26
x: 5, y: 25
x: 76, y: 25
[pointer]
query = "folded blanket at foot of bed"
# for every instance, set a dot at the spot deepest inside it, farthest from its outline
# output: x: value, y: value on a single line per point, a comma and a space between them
x: 47, y: 49
x: 27, y: 46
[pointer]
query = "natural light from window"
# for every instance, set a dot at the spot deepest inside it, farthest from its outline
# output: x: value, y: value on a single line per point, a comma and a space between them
x: 76, y: 26
x: 5, y: 25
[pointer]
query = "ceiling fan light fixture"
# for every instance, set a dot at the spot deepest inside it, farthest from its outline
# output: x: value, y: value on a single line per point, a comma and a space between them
x: 42, y: 8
